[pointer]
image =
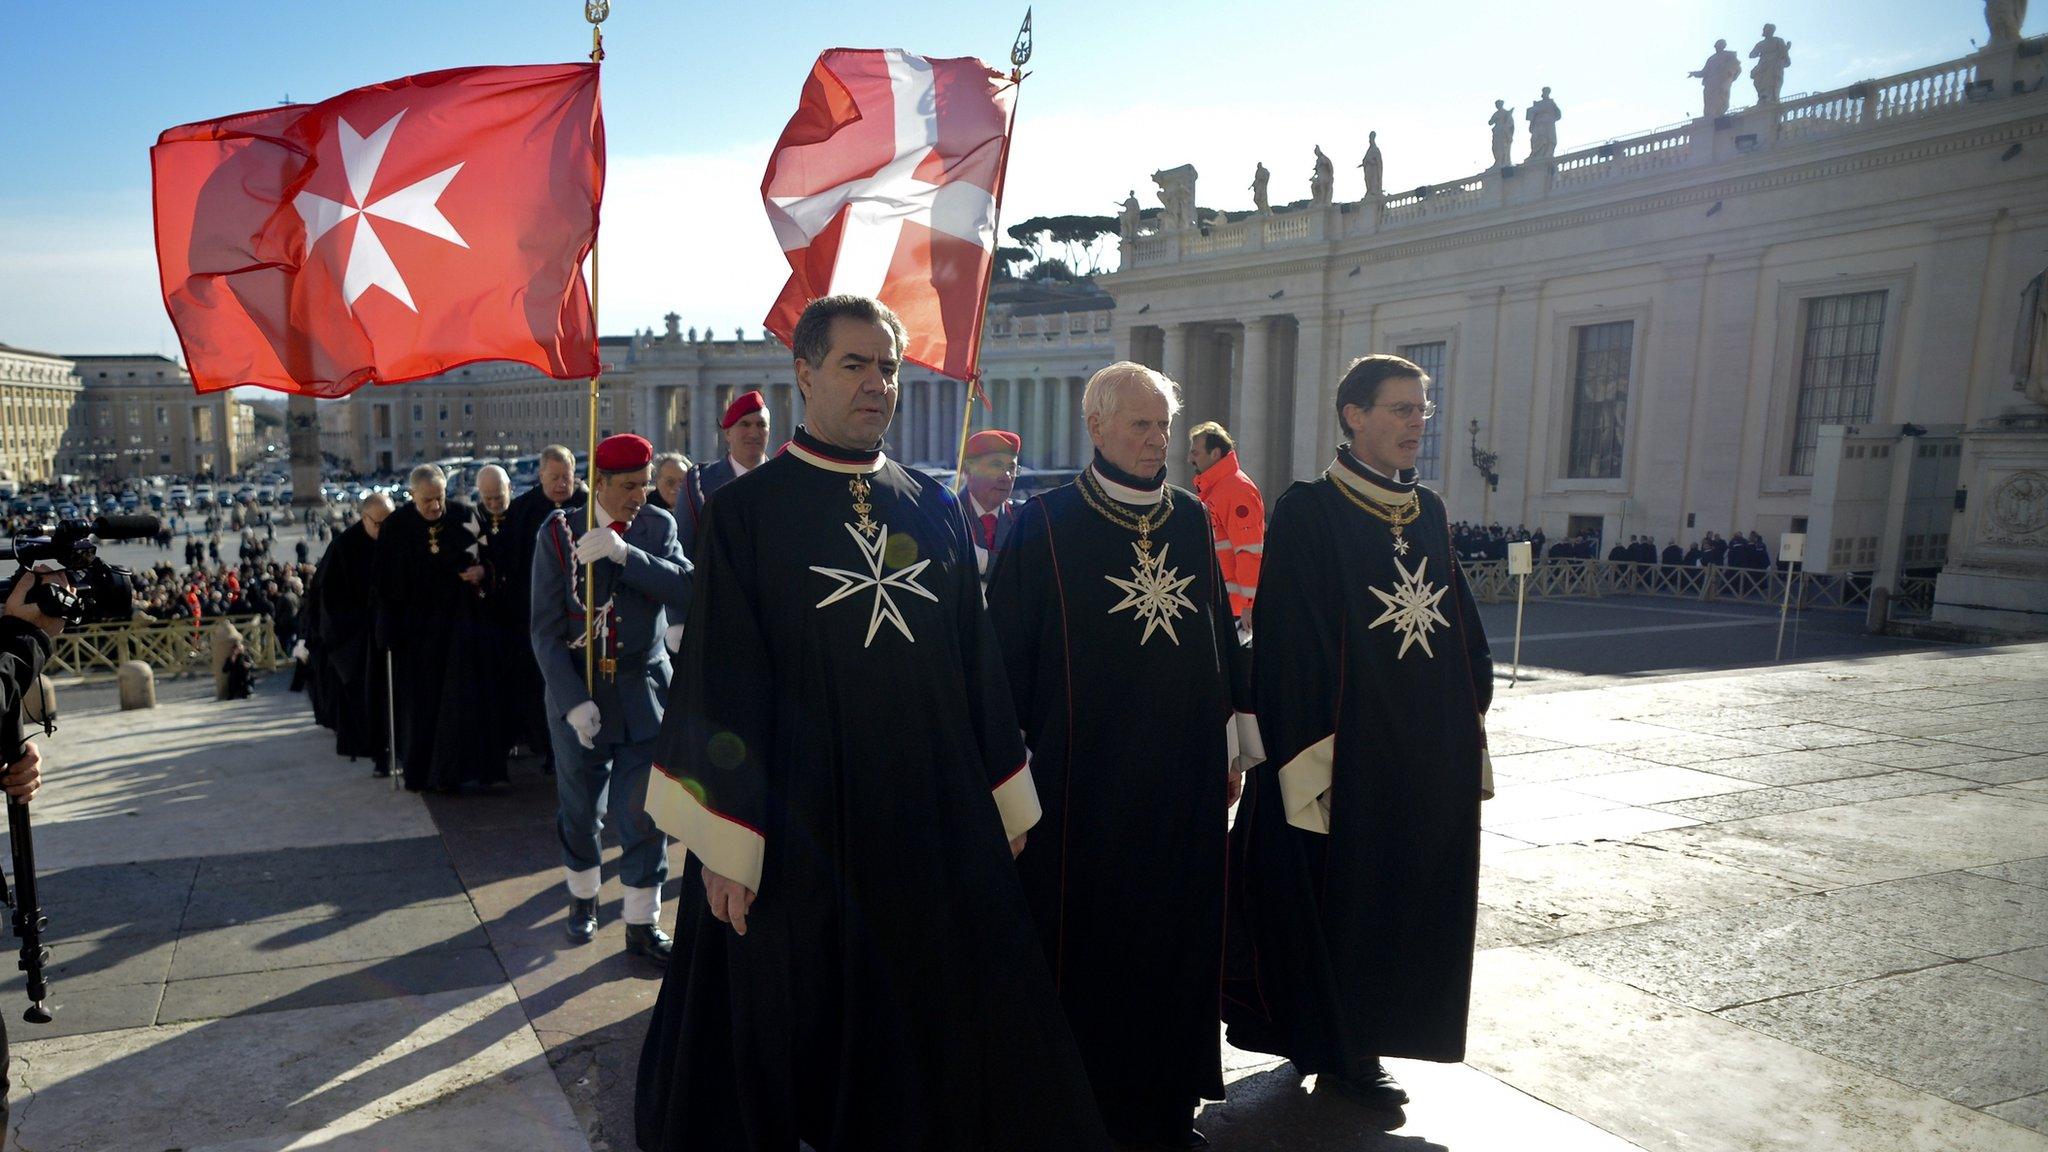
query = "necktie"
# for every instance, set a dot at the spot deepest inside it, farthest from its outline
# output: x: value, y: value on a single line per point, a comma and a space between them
x: 619, y: 526
x: 988, y: 531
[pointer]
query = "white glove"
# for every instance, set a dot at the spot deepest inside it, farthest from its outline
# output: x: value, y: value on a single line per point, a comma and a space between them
x: 673, y: 638
x: 584, y: 719
x: 601, y: 543
x: 299, y: 652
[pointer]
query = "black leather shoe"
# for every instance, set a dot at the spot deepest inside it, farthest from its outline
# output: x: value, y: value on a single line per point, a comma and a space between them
x: 650, y: 941
x: 1184, y: 1140
x: 1376, y: 1088
x: 582, y: 921
x: 381, y: 771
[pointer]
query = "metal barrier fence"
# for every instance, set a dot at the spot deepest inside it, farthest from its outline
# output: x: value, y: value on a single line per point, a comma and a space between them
x: 169, y: 646
x: 1554, y: 578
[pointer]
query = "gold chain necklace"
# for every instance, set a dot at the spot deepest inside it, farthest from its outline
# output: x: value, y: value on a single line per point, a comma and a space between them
x: 1099, y: 499
x: 1394, y: 516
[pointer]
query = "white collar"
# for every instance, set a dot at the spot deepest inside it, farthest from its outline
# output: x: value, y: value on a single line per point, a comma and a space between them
x: 979, y: 510
x: 738, y: 469
x: 832, y: 464
x: 1124, y: 494
x: 604, y: 516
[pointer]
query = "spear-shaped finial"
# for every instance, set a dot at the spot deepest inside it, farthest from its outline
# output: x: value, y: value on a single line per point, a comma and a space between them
x: 1020, y: 52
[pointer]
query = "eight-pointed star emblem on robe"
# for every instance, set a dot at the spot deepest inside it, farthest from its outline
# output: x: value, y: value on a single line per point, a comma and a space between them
x: 1411, y: 607
x: 903, y: 580
x: 1154, y: 593
x: 417, y: 205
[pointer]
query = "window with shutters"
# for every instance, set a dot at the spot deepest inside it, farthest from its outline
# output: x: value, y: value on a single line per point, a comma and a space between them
x: 1837, y: 368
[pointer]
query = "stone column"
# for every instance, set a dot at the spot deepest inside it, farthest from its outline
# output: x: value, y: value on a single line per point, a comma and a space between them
x: 1514, y: 430
x: 1060, y: 452
x: 1175, y: 362
x: 1251, y: 398
x: 1666, y: 396
x: 1315, y: 431
x: 302, y: 428
x: 703, y: 423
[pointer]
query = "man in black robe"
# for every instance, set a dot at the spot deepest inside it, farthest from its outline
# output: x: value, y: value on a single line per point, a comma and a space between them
x: 1116, y: 629
x: 430, y: 580
x: 840, y: 743
x: 524, y: 690
x: 1355, y: 855
x: 671, y: 475
x: 352, y: 679
x: 498, y: 547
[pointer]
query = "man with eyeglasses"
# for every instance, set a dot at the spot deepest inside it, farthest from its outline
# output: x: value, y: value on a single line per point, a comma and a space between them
x: 1354, y: 861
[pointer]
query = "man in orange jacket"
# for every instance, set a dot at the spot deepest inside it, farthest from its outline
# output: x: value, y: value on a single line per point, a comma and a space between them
x: 1236, y: 514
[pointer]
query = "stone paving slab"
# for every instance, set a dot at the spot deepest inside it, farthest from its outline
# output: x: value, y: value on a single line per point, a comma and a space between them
x: 2031, y: 963
x: 1790, y: 768
x: 1865, y: 843
x: 275, y: 944
x: 2033, y: 873
x: 1999, y: 771
x: 1763, y: 800
x: 1675, y: 1080
x: 1585, y: 888
x: 219, y: 905
x: 451, y: 1070
x: 320, y: 985
x: 2027, y: 1111
x: 1606, y: 824
x: 1715, y: 960
x: 1957, y: 914
x: 1660, y: 785
x: 1961, y: 1031
x: 1273, y: 1109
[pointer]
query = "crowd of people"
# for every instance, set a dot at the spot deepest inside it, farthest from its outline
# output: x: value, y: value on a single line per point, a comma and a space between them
x: 1476, y: 543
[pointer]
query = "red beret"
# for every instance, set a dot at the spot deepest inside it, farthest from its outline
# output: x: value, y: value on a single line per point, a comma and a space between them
x: 742, y: 404
x: 994, y: 440
x: 623, y: 453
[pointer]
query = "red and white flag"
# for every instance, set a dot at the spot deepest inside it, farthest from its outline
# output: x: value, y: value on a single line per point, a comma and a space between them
x: 885, y: 183
x: 389, y: 233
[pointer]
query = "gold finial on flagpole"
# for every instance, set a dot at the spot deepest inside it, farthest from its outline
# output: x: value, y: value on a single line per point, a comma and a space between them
x: 595, y: 11
x: 1020, y: 52
x: 1020, y: 55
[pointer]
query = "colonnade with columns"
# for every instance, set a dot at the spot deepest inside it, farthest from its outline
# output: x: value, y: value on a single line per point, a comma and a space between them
x: 1244, y: 373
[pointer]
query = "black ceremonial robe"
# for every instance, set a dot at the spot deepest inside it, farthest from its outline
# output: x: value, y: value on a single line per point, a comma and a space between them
x: 1122, y: 671
x: 1354, y: 941
x: 524, y: 692
x: 351, y: 681
x: 442, y: 647
x: 505, y: 614
x: 840, y: 738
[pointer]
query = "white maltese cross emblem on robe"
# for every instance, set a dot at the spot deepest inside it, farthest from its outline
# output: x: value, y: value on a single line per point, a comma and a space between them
x: 1411, y: 607
x: 902, y: 580
x: 1154, y: 593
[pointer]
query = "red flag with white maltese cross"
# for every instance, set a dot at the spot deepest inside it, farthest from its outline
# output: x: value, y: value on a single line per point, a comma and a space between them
x: 886, y: 183
x: 389, y: 233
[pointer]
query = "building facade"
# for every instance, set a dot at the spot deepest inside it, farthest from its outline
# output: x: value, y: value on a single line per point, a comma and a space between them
x: 1041, y: 343
x: 139, y: 416
x: 37, y: 393
x: 1661, y: 335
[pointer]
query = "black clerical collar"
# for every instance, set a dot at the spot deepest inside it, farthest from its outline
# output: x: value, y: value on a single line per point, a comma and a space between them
x: 831, y: 457
x: 1125, y: 487
x: 1363, y: 477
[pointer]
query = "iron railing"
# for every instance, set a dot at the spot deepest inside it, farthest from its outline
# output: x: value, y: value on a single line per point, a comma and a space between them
x: 169, y: 646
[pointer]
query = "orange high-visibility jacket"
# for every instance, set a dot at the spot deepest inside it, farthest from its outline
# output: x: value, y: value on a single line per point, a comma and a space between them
x: 1238, y: 516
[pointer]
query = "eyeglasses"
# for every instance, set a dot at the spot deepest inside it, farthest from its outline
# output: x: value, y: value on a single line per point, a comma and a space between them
x: 1406, y: 411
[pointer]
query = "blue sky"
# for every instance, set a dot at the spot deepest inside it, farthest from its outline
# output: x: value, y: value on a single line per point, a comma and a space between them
x: 694, y: 98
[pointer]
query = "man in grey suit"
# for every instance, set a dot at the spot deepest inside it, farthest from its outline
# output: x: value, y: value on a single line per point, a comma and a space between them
x: 604, y: 736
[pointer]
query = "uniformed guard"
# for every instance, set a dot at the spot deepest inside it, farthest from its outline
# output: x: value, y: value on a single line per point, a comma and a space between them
x: 604, y: 736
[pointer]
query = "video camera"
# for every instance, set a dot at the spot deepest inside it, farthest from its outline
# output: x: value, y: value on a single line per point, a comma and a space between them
x: 99, y: 591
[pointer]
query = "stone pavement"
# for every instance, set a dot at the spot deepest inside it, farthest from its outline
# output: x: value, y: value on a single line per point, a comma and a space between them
x: 1803, y: 908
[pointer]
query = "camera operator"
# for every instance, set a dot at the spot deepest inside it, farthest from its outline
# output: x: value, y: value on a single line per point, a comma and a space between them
x: 25, y: 635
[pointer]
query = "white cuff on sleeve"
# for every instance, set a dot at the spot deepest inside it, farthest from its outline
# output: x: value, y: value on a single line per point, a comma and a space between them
x: 1017, y: 800
x: 726, y: 846
x: 1305, y: 786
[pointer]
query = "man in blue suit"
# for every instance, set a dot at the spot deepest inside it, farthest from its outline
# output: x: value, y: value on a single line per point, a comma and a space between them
x: 604, y: 736
x: 745, y: 427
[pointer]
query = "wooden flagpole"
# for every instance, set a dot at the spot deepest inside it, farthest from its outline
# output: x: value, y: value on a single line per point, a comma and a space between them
x: 1020, y: 55
x: 595, y: 11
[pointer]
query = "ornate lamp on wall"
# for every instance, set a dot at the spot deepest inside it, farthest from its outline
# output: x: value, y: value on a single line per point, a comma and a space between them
x: 1484, y: 461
